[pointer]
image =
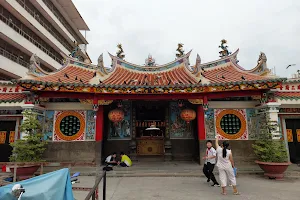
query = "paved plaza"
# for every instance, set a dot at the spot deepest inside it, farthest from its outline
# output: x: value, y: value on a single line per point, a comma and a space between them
x: 191, y: 188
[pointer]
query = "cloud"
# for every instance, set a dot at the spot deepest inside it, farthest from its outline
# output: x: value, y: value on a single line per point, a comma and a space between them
x: 157, y: 26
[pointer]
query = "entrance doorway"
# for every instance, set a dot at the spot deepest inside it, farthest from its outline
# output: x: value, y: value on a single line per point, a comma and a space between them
x: 293, y: 137
x: 7, y: 135
x: 150, y: 127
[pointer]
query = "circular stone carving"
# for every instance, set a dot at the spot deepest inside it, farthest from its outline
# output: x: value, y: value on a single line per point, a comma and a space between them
x: 69, y: 125
x: 232, y: 129
x: 149, y: 149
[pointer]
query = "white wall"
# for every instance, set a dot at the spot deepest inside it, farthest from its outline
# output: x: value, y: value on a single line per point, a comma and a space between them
x: 68, y: 106
x: 12, y: 67
x: 19, y: 39
x: 38, y: 26
x: 232, y: 104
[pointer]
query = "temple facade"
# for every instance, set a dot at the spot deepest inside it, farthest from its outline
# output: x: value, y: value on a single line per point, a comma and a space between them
x: 163, y: 112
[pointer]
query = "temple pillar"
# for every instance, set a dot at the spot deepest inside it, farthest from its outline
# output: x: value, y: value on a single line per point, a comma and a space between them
x: 168, y: 143
x: 132, y: 143
x: 201, y: 130
x: 99, y: 134
x: 272, y: 109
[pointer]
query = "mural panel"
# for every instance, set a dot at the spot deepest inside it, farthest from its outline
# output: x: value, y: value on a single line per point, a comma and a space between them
x: 48, y: 126
x: 179, y: 129
x: 210, y: 123
x: 90, y: 125
x: 121, y: 130
x: 253, y: 123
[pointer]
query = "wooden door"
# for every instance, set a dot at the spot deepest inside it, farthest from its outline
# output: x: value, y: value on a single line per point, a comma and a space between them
x: 293, y: 137
x: 7, y: 136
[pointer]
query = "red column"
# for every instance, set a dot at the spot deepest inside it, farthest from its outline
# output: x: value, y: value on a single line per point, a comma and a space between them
x: 99, y: 123
x: 201, y: 122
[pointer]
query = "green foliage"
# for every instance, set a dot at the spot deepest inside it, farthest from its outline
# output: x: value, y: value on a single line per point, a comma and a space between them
x: 266, y: 148
x: 32, y: 147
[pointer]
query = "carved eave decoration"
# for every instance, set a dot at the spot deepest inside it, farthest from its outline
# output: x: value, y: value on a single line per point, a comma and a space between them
x: 99, y: 102
x: 164, y: 89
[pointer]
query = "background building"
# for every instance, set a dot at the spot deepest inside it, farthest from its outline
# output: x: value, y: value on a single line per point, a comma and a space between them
x: 47, y: 28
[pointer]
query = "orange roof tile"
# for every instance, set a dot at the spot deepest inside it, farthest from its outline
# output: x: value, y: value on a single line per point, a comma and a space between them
x: 288, y: 95
x: 230, y: 74
x: 69, y: 74
x: 123, y: 76
x: 12, y: 97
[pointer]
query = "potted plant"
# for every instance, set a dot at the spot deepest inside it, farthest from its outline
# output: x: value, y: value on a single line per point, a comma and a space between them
x: 30, y: 148
x: 271, y: 153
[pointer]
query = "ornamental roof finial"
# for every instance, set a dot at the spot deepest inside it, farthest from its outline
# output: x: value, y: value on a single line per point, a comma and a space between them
x: 120, y: 52
x: 224, y: 47
x: 180, y: 50
x: 150, y: 61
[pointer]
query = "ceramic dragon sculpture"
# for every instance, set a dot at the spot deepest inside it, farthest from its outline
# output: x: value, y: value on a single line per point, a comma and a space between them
x: 180, y: 50
x: 224, y: 48
x: 120, y: 52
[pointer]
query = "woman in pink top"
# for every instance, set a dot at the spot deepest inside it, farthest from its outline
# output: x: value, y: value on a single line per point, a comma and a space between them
x: 225, y: 165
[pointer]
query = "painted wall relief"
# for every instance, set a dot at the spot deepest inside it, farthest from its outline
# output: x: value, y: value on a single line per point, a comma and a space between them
x: 253, y: 123
x: 123, y: 129
x: 48, y: 126
x: 90, y: 125
x: 210, y: 123
x: 179, y: 129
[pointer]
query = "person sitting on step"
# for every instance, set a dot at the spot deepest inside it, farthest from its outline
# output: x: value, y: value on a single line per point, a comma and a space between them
x: 111, y: 159
x: 125, y: 160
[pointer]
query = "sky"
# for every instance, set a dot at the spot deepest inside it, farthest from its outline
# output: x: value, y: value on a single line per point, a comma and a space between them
x: 156, y: 27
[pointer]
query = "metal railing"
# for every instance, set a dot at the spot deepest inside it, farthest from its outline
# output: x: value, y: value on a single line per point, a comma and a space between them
x: 28, y: 37
x: 38, y: 16
x: 94, y: 191
x: 13, y: 57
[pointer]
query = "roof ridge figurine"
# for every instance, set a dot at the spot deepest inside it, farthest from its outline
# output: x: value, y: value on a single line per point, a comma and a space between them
x: 224, y: 47
x: 180, y: 50
x: 150, y: 61
x: 120, y: 52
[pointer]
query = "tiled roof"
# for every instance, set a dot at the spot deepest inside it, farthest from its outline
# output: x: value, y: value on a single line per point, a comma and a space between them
x: 230, y: 74
x: 288, y: 95
x: 12, y: 97
x: 123, y: 76
x: 69, y: 74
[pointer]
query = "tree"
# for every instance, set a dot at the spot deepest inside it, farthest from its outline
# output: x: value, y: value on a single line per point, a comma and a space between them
x: 265, y: 147
x: 32, y: 147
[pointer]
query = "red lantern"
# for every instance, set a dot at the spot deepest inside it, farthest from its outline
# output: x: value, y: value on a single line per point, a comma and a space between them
x: 116, y: 116
x: 188, y: 115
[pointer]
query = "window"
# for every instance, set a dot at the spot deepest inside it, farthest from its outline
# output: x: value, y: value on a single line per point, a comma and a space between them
x: 70, y: 125
x: 230, y: 124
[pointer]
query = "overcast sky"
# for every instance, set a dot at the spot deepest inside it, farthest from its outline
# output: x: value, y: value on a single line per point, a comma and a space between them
x: 156, y: 26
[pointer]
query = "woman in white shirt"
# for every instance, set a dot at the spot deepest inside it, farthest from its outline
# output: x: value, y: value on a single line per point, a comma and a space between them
x: 225, y: 166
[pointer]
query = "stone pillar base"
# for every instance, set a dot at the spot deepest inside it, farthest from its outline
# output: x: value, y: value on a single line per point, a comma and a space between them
x: 168, y: 150
x: 98, y: 153
x: 132, y: 147
x: 202, y: 148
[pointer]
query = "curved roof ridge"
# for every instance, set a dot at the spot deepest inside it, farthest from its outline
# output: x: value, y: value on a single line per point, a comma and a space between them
x: 150, y: 67
x: 219, y: 61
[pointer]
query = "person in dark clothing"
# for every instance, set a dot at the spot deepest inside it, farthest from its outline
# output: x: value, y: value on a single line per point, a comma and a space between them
x: 111, y: 159
x: 209, y: 165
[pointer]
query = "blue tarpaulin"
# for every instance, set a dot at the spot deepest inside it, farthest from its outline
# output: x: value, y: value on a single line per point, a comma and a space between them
x: 51, y: 186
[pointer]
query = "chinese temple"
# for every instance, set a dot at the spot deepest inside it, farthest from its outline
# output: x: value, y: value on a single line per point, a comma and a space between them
x: 165, y: 112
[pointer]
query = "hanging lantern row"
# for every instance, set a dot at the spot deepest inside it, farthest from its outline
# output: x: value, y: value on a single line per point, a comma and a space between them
x: 188, y: 115
x: 116, y: 116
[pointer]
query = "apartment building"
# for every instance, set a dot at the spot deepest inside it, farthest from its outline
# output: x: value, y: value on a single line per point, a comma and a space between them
x: 46, y: 28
